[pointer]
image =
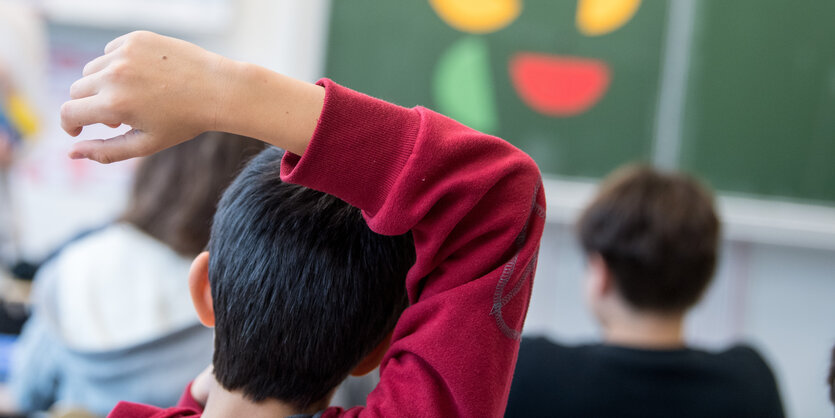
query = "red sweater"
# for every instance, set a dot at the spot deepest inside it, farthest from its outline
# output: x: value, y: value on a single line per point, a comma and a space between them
x: 476, y: 209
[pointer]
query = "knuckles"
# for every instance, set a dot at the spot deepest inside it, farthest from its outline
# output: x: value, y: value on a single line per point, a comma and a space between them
x: 117, y: 71
x: 75, y: 91
x: 118, y: 107
x: 102, y: 158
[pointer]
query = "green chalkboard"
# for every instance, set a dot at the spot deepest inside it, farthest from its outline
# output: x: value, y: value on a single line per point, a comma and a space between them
x: 760, y: 114
x: 396, y: 50
x: 758, y: 95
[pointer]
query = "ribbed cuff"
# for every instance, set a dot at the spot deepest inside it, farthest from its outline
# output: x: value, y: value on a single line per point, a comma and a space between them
x: 358, y: 149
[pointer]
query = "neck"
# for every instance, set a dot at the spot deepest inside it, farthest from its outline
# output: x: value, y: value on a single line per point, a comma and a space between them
x: 223, y: 403
x: 645, y: 330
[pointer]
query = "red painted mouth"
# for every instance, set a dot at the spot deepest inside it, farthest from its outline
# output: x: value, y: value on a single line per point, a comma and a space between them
x: 557, y: 85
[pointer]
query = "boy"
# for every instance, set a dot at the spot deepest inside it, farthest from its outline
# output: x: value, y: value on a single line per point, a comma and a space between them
x: 473, y: 203
x: 315, y: 296
x: 651, y: 240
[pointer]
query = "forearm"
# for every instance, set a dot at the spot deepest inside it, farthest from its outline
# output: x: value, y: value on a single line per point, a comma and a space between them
x: 268, y: 106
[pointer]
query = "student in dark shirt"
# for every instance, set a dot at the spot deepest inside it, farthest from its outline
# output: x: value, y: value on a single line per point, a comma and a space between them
x: 651, y: 240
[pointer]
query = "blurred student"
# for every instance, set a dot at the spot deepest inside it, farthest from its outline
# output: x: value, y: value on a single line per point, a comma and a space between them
x: 651, y: 240
x: 300, y: 293
x: 112, y: 317
x: 473, y: 203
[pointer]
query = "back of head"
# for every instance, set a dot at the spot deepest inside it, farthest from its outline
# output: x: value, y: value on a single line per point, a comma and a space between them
x: 657, y: 234
x: 175, y: 191
x: 303, y: 290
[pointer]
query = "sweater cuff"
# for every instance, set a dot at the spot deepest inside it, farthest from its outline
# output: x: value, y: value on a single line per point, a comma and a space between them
x: 358, y: 149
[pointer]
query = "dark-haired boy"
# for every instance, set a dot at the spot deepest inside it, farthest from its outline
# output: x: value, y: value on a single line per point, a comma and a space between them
x: 473, y: 204
x: 315, y: 298
x: 651, y: 240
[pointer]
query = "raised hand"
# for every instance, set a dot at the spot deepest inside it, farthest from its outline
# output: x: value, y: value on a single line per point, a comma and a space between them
x: 166, y: 89
x: 169, y: 91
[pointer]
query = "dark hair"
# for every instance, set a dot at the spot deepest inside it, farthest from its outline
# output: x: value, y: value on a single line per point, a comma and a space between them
x: 303, y: 290
x: 658, y: 235
x: 175, y: 191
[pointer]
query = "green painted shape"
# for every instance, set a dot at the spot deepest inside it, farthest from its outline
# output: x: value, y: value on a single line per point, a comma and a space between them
x: 463, y: 87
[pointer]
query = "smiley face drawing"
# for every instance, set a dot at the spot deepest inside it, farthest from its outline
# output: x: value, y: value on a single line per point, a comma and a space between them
x: 562, y: 80
x: 550, y: 84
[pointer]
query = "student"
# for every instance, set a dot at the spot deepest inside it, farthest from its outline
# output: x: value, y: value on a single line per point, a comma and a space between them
x: 112, y: 318
x: 651, y: 240
x: 300, y: 293
x: 473, y: 203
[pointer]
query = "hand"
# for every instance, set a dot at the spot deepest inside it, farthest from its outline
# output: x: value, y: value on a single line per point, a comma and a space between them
x: 167, y: 90
x: 203, y: 384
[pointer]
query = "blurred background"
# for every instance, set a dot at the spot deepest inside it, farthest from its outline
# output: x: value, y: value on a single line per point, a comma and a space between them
x: 739, y: 93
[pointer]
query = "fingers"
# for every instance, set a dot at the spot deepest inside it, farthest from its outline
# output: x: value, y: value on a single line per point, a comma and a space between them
x: 78, y: 113
x: 107, y: 151
x: 116, y: 43
x: 85, y: 87
x: 96, y: 65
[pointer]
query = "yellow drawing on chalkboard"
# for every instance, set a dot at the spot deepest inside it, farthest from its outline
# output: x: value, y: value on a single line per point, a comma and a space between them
x: 599, y: 17
x: 477, y: 16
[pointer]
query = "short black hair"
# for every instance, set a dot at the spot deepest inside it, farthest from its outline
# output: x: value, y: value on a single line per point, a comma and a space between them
x: 303, y: 289
x: 658, y: 234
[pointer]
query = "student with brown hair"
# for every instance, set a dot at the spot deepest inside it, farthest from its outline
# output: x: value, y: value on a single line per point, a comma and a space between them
x: 112, y: 316
x: 651, y: 240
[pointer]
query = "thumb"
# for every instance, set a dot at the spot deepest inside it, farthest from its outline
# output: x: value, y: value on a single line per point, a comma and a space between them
x: 133, y: 143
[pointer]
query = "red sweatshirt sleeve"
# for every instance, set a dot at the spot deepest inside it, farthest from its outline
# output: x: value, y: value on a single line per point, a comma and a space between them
x: 476, y: 209
x: 186, y: 407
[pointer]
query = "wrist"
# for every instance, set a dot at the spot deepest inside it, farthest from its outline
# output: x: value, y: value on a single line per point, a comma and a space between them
x: 268, y: 106
x: 229, y: 76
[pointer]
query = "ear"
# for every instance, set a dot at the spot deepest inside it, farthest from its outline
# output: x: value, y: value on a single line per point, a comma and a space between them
x: 599, y: 277
x: 201, y: 292
x: 373, y: 359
